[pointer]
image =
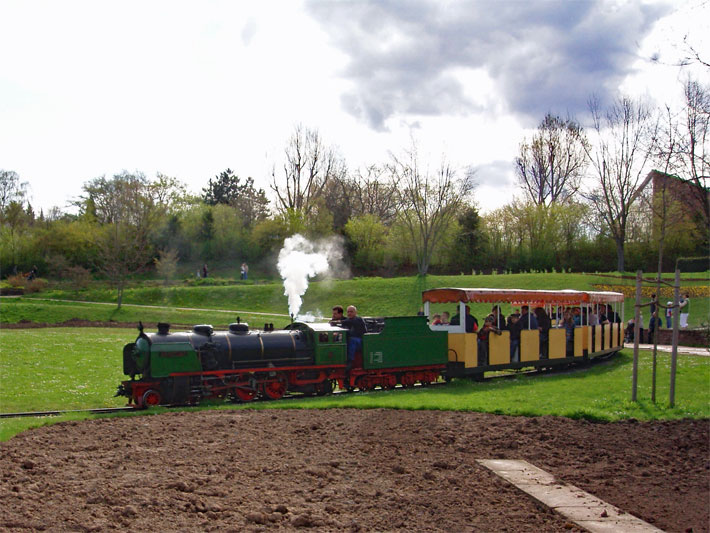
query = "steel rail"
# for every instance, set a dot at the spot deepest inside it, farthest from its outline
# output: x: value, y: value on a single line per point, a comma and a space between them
x: 67, y: 411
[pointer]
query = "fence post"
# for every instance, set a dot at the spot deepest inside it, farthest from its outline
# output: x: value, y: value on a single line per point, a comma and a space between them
x: 637, y: 325
x: 674, y: 342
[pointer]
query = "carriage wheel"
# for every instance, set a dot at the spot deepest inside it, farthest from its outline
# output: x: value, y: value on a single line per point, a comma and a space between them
x: 245, y: 394
x: 275, y: 390
x: 150, y: 398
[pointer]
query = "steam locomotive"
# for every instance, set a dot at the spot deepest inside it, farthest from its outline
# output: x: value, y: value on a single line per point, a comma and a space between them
x: 242, y: 364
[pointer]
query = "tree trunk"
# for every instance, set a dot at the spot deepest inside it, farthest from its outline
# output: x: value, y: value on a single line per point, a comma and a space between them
x: 619, y: 255
x: 120, y: 293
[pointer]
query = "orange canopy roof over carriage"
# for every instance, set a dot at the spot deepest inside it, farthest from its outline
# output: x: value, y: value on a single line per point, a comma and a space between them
x: 520, y: 296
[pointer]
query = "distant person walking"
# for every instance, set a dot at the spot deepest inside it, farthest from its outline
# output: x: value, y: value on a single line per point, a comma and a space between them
x: 684, y: 310
x: 204, y: 270
x: 669, y: 315
x: 244, y: 270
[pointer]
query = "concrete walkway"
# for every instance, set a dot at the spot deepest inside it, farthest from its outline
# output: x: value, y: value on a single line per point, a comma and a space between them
x: 682, y: 350
x: 584, y: 509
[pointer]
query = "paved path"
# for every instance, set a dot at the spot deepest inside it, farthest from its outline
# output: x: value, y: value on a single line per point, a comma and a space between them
x: 682, y: 350
x: 582, y: 508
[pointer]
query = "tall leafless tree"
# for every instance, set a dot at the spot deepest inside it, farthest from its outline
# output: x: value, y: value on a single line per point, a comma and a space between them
x: 689, y: 155
x: 550, y: 166
x: 428, y: 201
x: 619, y: 156
x: 375, y: 194
x: 308, y: 167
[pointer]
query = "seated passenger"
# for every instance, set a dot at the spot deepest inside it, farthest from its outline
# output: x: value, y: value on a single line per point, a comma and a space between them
x: 593, y: 318
x: 445, y: 317
x: 568, y: 324
x: 612, y: 316
x: 483, y: 335
x: 436, y: 320
x: 471, y: 321
x: 527, y: 321
x: 498, y: 318
x: 513, y: 326
x: 577, y: 316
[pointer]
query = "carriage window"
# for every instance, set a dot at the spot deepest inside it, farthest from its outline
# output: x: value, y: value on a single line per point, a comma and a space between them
x: 323, y: 337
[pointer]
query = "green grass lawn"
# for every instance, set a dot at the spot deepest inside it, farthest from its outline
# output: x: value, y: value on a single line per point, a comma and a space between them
x: 74, y: 368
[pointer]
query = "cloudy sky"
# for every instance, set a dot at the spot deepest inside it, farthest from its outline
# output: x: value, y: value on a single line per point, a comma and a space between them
x: 190, y: 88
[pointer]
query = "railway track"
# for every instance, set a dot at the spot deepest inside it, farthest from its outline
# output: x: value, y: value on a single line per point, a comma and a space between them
x: 64, y: 412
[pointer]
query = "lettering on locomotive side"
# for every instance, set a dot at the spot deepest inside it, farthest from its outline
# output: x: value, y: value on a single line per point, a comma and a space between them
x: 172, y: 354
x: 376, y: 357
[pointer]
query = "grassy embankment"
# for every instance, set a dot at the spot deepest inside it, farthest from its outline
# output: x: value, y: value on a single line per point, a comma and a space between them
x: 372, y: 296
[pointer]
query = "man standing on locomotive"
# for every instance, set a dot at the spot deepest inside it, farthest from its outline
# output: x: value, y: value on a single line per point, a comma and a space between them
x: 356, y: 329
x: 337, y: 313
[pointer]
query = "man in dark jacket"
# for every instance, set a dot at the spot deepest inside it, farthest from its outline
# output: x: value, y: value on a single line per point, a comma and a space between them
x: 543, y: 325
x: 471, y: 321
x: 356, y: 329
x: 527, y: 321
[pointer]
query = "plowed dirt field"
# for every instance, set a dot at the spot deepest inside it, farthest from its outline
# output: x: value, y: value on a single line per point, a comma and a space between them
x: 342, y: 470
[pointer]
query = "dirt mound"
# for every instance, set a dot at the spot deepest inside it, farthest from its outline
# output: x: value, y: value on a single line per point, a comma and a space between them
x: 332, y: 470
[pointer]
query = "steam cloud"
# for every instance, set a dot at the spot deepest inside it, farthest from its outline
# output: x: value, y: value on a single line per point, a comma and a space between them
x: 300, y: 260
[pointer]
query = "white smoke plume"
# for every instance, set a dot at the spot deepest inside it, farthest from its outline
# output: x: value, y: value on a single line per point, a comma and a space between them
x: 301, y: 260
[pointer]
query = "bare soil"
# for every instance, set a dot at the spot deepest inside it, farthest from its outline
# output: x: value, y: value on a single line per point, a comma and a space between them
x: 342, y: 470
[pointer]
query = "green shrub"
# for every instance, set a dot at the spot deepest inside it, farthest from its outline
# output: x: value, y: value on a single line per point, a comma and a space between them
x: 35, y: 285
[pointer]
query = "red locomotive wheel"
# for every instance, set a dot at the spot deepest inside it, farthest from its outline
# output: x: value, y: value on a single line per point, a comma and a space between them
x: 407, y: 380
x: 390, y: 382
x: 324, y: 387
x: 363, y: 383
x: 150, y: 398
x: 245, y: 394
x: 275, y: 390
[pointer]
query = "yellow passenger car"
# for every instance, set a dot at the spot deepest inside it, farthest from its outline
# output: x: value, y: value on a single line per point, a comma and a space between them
x: 582, y: 325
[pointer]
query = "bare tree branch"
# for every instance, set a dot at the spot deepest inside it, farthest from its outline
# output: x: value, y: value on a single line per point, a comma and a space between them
x: 619, y: 157
x: 551, y: 166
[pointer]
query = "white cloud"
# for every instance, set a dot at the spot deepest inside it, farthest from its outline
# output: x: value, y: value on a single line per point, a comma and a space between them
x: 191, y: 88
